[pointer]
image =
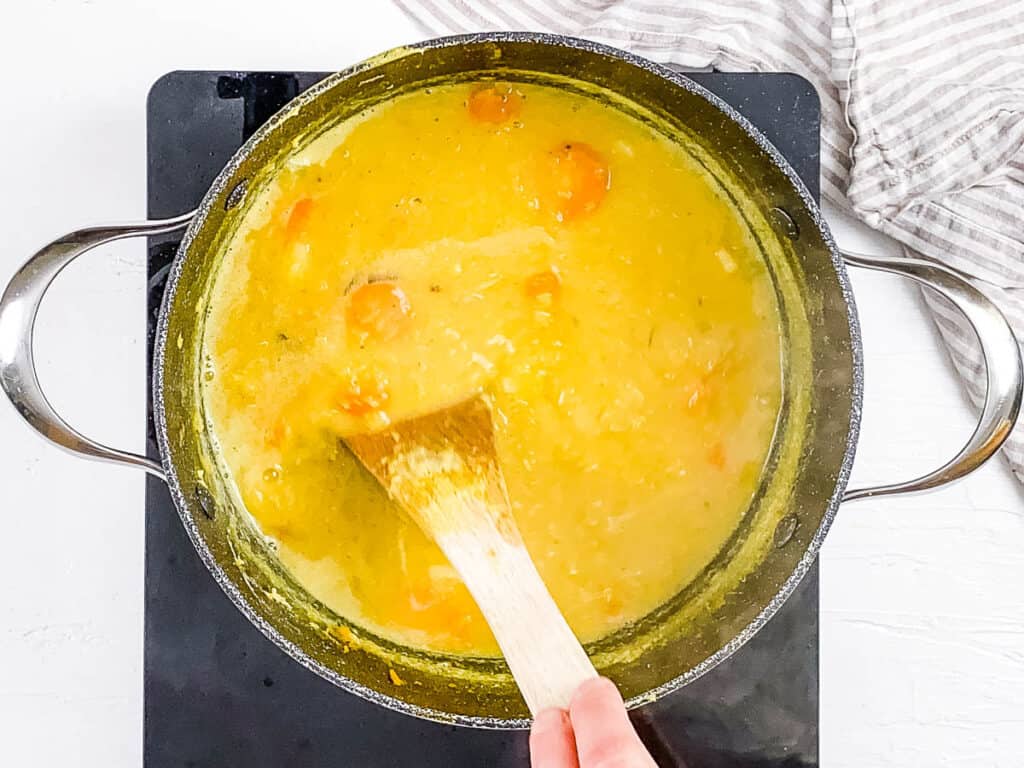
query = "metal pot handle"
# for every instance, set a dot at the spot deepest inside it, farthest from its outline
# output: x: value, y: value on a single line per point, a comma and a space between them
x: 18, y: 309
x: 1002, y: 363
x: 20, y: 305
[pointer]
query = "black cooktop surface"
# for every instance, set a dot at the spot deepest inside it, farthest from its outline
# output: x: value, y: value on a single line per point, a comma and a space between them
x: 219, y: 695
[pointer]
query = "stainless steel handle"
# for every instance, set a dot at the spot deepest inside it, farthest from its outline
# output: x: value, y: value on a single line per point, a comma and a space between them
x: 1002, y: 363
x: 18, y: 309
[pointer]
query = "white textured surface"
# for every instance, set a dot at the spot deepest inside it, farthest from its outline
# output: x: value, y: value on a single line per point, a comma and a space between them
x: 922, y: 650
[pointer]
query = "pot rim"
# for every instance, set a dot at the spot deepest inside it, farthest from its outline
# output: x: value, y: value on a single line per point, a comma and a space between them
x: 219, y: 185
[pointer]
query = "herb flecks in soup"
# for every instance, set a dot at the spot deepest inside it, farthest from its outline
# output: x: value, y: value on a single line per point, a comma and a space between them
x: 564, y: 258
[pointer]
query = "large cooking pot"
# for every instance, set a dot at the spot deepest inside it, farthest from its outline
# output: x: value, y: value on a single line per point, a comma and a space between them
x: 807, y: 473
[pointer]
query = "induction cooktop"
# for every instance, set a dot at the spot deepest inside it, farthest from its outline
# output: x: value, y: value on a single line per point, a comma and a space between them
x: 218, y: 694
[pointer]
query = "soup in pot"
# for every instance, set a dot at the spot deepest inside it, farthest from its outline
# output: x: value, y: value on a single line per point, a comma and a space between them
x: 563, y: 257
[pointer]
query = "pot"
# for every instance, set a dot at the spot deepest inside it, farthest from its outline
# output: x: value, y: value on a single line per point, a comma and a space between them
x: 806, y: 478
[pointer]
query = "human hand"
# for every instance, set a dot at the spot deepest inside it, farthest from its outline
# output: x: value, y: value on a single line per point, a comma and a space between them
x: 594, y: 733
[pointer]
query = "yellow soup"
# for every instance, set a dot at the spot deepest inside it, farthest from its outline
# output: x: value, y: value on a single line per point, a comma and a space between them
x: 527, y: 242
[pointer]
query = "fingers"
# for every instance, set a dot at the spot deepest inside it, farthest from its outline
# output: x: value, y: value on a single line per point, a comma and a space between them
x: 594, y: 733
x: 551, y: 741
x: 604, y: 735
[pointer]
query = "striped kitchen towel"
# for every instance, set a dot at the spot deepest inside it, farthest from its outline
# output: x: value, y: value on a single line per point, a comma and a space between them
x: 922, y: 113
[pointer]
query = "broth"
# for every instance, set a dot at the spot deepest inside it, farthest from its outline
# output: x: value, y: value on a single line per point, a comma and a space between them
x: 535, y: 244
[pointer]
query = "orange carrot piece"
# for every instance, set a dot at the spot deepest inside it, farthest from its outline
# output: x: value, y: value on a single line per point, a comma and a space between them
x: 362, y: 396
x: 716, y: 456
x: 546, y: 283
x: 494, y: 103
x: 580, y: 179
x: 277, y: 434
x: 380, y: 310
x: 298, y: 217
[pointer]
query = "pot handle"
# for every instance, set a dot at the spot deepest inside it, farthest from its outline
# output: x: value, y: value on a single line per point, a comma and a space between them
x: 18, y: 309
x: 1002, y: 364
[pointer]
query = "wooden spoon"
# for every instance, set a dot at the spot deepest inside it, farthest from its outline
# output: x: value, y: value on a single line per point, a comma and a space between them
x: 443, y: 470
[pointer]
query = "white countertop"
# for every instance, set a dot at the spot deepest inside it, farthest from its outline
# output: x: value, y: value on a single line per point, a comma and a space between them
x: 922, y: 614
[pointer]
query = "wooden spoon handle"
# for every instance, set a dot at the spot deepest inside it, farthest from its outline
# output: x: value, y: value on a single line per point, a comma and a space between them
x: 547, y: 661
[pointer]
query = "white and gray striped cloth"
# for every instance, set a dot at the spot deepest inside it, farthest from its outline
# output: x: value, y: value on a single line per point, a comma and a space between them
x: 922, y: 112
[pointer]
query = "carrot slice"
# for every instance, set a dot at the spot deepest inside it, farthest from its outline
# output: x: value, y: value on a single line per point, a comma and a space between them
x: 298, y: 217
x: 380, y: 310
x: 716, y: 456
x: 362, y: 396
x: 277, y: 434
x: 546, y: 283
x: 580, y: 179
x: 494, y: 103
